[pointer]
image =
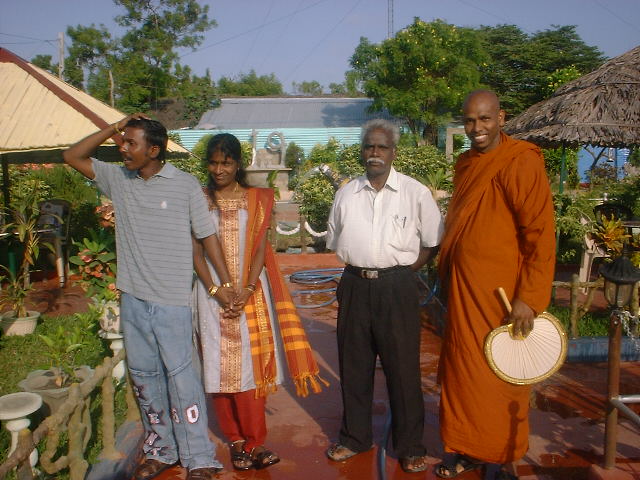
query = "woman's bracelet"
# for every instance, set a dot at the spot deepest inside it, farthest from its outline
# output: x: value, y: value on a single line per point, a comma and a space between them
x: 251, y: 287
x: 213, y: 289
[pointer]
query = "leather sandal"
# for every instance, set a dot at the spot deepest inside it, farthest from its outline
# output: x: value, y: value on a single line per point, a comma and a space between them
x: 459, y: 465
x: 206, y: 473
x: 150, y: 468
x: 414, y: 464
x: 263, y: 458
x: 240, y: 459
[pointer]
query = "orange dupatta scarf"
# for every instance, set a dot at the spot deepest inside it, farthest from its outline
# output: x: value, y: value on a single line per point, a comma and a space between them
x: 302, y: 365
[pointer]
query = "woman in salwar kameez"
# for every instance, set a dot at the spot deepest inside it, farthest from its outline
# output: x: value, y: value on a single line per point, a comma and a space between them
x: 245, y: 350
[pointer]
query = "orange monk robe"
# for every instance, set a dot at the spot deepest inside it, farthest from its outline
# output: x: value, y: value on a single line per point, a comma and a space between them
x: 499, y: 233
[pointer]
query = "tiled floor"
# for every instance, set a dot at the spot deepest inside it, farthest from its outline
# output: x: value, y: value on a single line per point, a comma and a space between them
x: 567, y: 421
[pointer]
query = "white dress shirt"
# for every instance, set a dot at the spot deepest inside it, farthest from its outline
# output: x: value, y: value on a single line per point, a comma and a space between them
x: 380, y: 229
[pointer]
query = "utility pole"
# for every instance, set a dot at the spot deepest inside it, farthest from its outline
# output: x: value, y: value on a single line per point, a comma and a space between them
x: 390, y: 19
x: 60, y: 55
x: 111, y: 88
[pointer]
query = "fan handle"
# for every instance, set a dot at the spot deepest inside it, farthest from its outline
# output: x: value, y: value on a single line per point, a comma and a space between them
x: 505, y: 300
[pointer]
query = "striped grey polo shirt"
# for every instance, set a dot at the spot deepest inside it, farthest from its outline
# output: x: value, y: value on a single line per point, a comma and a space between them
x: 154, y: 222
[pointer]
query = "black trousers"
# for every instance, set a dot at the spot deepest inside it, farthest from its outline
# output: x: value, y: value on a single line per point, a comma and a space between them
x: 380, y: 317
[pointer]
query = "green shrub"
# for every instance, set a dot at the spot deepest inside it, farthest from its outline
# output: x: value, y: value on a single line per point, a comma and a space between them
x: 315, y: 193
x: 316, y: 196
x: 592, y: 324
x: 570, y: 209
x: 553, y: 163
x: 293, y: 156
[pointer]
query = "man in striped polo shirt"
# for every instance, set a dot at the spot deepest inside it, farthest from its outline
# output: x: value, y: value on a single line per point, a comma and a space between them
x: 159, y: 210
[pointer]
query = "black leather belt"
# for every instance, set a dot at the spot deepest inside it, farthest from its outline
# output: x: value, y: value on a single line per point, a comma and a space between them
x: 373, y: 273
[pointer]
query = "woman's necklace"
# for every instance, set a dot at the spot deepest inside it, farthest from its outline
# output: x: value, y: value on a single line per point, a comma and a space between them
x: 229, y: 196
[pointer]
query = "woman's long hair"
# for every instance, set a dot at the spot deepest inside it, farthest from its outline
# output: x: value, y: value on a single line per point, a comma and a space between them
x: 229, y: 146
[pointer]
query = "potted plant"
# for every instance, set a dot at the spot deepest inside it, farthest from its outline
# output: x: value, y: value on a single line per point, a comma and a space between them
x: 61, y: 347
x: 610, y: 235
x: 18, y: 320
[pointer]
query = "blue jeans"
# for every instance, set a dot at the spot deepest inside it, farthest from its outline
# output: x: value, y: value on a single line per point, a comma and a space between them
x: 171, y: 397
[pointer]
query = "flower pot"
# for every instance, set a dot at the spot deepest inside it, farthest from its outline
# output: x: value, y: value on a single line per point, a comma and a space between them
x: 110, y: 318
x: 20, y: 325
x: 42, y: 382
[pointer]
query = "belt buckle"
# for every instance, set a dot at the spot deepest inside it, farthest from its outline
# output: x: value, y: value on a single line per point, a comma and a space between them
x: 369, y: 274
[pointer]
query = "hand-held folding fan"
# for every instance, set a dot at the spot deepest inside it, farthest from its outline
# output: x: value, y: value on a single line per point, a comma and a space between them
x: 525, y: 360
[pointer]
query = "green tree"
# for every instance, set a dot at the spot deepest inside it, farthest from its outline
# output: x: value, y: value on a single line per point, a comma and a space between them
x: 337, y: 88
x: 508, y: 71
x: 44, y: 62
x: 422, y: 74
x: 156, y: 28
x: 294, y: 155
x: 143, y: 60
x: 250, y: 85
x: 521, y: 64
x: 312, y: 88
x: 559, y: 77
x: 197, y: 93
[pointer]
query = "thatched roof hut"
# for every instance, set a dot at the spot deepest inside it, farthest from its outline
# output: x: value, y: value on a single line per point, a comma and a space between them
x: 601, y: 108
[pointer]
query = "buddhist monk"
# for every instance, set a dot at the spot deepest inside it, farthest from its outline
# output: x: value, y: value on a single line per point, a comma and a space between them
x: 499, y: 233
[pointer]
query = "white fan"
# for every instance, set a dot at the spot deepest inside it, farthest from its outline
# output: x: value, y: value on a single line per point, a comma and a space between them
x: 523, y: 361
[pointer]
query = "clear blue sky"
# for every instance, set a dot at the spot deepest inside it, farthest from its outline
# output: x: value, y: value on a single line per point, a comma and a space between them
x: 300, y: 40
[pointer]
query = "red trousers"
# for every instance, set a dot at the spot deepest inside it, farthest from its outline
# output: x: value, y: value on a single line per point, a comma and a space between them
x: 241, y: 417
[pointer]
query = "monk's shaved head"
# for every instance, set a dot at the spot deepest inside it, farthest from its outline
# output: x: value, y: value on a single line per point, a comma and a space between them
x: 483, y: 119
x: 486, y: 95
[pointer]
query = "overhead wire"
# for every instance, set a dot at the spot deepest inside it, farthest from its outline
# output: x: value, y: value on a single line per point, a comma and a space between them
x: 306, y: 57
x: 491, y: 14
x: 607, y: 9
x: 246, y: 32
x: 258, y: 32
x: 279, y: 37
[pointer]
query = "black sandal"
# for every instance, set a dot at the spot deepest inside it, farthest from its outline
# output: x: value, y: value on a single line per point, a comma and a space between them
x: 240, y: 459
x: 263, y: 458
x: 459, y: 465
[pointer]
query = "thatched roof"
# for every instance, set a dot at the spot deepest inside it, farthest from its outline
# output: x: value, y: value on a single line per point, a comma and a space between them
x: 601, y: 108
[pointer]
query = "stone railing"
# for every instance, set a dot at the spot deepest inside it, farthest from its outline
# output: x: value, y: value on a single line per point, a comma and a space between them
x: 302, y: 230
x: 74, y: 417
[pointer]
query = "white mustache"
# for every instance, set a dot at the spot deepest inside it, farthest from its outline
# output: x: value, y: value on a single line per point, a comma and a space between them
x: 377, y: 161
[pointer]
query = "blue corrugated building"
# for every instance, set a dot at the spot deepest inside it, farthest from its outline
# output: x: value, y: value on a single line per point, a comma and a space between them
x: 306, y: 121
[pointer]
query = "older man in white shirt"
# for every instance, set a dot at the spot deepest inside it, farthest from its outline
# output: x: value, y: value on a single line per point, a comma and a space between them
x: 384, y: 226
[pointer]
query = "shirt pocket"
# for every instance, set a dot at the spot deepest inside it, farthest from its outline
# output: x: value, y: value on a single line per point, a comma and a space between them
x: 403, y: 233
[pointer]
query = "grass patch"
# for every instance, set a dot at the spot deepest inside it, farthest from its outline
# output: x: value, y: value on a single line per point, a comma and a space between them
x: 592, y: 324
x: 19, y: 355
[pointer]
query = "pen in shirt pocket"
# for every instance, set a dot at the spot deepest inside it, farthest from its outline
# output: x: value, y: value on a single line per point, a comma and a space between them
x: 399, y: 219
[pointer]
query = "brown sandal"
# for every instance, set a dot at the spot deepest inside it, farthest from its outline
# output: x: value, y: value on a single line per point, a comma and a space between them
x: 150, y: 468
x: 240, y: 459
x: 263, y: 458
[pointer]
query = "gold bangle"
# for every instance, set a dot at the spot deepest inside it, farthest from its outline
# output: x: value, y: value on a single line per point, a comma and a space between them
x: 227, y: 284
x: 251, y: 286
x: 213, y: 289
x: 116, y: 129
